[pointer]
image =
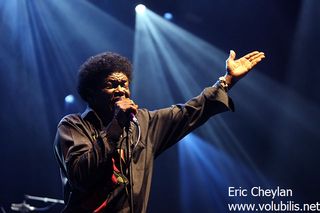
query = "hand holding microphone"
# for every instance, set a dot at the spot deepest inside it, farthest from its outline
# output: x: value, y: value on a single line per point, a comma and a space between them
x: 125, y: 110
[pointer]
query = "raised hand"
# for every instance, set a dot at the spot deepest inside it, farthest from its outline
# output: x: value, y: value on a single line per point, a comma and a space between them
x: 240, y: 67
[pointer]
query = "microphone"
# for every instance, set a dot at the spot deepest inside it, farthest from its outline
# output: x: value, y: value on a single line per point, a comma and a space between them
x: 134, y: 119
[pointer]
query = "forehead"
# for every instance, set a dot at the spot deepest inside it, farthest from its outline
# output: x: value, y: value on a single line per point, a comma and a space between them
x: 117, y: 76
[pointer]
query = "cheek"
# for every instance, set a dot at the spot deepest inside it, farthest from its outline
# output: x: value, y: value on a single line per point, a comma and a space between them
x: 105, y: 96
x: 128, y: 93
x: 107, y: 92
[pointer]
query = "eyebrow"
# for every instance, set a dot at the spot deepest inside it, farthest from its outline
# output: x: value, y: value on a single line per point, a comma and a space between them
x: 116, y: 80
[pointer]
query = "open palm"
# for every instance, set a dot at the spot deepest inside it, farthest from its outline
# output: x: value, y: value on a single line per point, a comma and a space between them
x: 240, y: 67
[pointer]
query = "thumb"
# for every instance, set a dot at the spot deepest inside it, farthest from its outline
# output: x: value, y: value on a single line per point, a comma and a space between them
x: 232, y: 55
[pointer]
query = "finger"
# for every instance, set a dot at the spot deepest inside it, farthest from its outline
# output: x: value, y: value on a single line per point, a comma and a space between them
x: 131, y: 104
x: 133, y: 109
x: 255, y: 61
x: 251, y: 54
x: 232, y: 55
x: 126, y: 101
x: 127, y: 106
x: 260, y: 55
x: 129, y: 109
x: 124, y: 104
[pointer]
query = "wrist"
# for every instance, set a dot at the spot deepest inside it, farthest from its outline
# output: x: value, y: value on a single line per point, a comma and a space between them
x: 223, y: 83
x: 228, y: 79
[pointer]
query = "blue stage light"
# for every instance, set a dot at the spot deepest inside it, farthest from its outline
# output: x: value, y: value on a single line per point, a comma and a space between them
x: 168, y: 16
x: 140, y: 8
x: 69, y: 99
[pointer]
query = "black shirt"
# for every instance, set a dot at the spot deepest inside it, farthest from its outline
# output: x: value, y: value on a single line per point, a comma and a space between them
x: 87, y: 152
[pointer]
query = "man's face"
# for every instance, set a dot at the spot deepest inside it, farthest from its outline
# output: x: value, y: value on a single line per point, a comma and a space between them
x: 115, y: 87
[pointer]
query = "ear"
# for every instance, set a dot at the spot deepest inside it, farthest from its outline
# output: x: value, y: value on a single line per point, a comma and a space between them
x: 91, y: 96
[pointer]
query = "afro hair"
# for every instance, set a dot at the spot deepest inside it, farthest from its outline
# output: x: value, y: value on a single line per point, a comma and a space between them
x: 99, y: 67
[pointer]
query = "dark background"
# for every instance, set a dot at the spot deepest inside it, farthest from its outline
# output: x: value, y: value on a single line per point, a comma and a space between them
x: 38, y: 71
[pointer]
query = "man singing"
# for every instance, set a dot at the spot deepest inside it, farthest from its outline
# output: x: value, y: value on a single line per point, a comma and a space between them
x: 106, y: 154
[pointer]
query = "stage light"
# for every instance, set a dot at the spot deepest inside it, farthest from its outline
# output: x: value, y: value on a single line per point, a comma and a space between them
x: 168, y: 16
x: 69, y: 99
x: 140, y: 8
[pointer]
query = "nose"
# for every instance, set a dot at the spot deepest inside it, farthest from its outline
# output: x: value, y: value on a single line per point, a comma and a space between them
x: 119, y: 89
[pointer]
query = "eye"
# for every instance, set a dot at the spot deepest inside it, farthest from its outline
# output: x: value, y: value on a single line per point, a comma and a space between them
x: 108, y: 85
x: 126, y: 84
x: 123, y: 84
x: 115, y: 84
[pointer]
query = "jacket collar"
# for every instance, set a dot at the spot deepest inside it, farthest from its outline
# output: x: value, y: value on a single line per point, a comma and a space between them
x: 90, y: 115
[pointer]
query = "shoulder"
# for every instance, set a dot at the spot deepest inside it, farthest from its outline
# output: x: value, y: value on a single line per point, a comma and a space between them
x: 70, y: 119
x: 143, y: 114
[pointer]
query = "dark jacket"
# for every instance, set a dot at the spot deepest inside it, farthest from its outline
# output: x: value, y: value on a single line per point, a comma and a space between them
x: 86, y: 151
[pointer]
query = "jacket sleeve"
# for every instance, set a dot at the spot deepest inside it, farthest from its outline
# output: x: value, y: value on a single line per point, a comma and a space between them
x: 85, y: 158
x: 171, y: 124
